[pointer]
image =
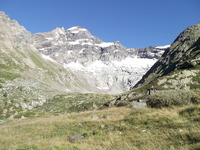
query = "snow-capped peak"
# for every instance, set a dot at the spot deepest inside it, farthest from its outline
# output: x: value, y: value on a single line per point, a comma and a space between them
x: 106, y: 66
x: 59, y: 30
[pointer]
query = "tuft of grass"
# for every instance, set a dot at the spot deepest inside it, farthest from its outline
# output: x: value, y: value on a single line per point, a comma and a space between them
x: 196, y: 96
x: 191, y: 113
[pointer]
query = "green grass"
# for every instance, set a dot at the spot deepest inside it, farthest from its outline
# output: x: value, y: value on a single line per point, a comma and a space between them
x: 59, y: 104
x: 6, y: 75
x: 114, y: 129
x: 72, y: 102
x: 36, y: 60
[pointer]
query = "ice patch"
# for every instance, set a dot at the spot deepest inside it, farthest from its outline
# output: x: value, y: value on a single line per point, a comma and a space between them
x: 135, y: 62
x: 103, y: 88
x: 49, y: 38
x: 41, y: 49
x: 48, y: 58
x: 69, y: 52
x: 67, y: 90
x: 87, y: 43
x: 163, y: 47
x: 76, y: 29
x: 116, y: 51
x: 74, y: 42
x: 74, y: 66
x: 96, y: 65
x: 73, y: 28
x: 105, y: 44
x: 105, y: 75
x: 84, y: 40
x: 81, y: 51
x: 80, y: 42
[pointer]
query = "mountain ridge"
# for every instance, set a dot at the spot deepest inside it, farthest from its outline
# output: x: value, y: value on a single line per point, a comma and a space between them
x: 78, y: 50
x: 32, y: 74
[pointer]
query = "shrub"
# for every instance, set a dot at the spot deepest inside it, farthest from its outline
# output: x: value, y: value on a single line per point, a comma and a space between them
x: 168, y: 98
x: 123, y: 103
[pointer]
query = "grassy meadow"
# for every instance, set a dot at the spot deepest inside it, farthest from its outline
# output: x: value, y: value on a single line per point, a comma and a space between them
x: 116, y: 128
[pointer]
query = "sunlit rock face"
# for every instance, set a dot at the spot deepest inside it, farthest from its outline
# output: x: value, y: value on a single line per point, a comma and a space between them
x: 108, y: 66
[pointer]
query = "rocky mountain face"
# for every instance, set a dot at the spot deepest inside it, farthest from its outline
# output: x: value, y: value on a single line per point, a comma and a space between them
x: 179, y: 66
x: 108, y: 67
x: 38, y: 69
x: 26, y: 78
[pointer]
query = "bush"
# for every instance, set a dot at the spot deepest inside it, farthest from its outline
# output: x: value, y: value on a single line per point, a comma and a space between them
x: 122, y: 104
x: 169, y: 98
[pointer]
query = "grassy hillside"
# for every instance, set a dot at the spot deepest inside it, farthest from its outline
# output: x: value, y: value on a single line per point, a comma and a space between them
x: 109, y: 129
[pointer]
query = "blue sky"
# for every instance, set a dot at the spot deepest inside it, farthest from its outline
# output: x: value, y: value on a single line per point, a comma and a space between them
x: 135, y: 23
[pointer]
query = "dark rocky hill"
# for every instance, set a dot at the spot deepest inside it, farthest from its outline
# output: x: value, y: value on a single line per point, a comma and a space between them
x: 179, y: 66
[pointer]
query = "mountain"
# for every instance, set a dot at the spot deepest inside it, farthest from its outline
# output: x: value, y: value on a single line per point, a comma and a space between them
x: 30, y: 78
x: 45, y: 76
x: 27, y: 79
x: 174, y: 79
x: 179, y: 66
x: 46, y: 72
x: 108, y: 67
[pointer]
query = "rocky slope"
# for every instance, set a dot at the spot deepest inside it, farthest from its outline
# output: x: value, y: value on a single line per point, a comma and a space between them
x: 26, y: 78
x: 179, y: 66
x: 107, y: 66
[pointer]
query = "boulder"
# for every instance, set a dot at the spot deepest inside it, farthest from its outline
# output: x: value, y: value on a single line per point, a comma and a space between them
x: 2, y: 122
x: 76, y: 137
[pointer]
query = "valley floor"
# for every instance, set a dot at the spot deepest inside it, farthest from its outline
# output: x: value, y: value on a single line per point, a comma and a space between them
x: 109, y: 129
